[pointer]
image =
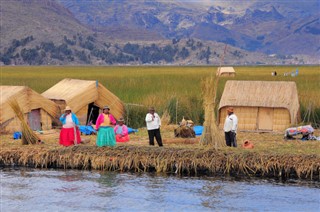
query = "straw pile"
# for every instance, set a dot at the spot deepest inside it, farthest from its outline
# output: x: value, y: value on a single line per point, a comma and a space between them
x: 181, y: 161
x: 28, y: 136
x: 211, y: 134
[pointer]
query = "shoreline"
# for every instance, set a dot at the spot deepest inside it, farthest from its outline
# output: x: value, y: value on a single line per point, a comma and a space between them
x: 178, y: 160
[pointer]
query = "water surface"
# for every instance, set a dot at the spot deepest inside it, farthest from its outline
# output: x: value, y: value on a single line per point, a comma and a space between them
x: 73, y: 190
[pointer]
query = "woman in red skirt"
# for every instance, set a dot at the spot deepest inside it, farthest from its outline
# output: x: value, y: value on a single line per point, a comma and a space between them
x: 69, y: 134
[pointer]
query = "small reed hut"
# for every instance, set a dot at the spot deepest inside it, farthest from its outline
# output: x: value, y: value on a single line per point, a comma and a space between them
x: 226, y: 72
x: 39, y: 111
x: 85, y: 97
x: 261, y: 105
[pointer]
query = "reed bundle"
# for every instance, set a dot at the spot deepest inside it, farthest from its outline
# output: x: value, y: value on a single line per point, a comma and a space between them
x: 28, y: 136
x: 165, y: 118
x: 211, y: 134
x: 180, y: 161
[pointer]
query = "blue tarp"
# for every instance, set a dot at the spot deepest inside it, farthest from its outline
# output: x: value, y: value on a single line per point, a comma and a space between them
x: 17, y: 135
x: 87, y: 130
x: 198, y: 130
x: 130, y: 130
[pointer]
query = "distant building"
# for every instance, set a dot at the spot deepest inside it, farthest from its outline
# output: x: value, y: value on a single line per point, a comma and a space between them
x: 226, y: 71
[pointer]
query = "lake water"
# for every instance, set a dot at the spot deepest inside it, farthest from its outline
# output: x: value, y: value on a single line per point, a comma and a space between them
x: 73, y: 190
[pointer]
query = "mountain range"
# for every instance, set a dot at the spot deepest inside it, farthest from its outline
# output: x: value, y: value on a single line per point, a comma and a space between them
x: 261, y: 31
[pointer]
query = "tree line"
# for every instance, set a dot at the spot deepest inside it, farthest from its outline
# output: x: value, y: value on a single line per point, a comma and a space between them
x: 85, y: 49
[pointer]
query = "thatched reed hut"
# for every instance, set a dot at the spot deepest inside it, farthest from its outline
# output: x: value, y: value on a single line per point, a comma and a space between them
x: 226, y: 72
x: 39, y: 111
x: 261, y: 105
x: 85, y: 97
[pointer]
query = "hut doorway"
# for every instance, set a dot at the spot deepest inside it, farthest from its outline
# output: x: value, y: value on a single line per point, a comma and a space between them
x: 93, y: 113
x: 34, y: 118
x: 265, y: 119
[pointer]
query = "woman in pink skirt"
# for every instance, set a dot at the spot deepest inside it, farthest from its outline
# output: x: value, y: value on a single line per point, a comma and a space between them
x: 69, y: 134
x: 121, y: 131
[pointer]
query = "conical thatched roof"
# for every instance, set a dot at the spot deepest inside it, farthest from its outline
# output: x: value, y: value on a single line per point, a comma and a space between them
x: 28, y: 100
x: 79, y: 93
x: 273, y: 94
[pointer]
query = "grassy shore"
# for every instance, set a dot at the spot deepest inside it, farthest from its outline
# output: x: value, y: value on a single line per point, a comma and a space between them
x: 167, y: 87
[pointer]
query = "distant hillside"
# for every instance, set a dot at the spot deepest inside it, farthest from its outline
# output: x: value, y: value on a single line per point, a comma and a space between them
x: 251, y: 25
x: 44, y: 20
x: 45, y: 32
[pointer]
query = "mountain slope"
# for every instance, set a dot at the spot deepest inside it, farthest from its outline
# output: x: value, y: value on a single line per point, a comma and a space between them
x: 104, y: 32
x: 252, y: 25
x: 44, y: 20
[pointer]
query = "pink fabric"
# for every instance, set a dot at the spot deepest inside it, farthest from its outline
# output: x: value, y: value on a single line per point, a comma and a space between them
x: 124, y: 129
x: 101, y: 119
x: 124, y: 137
x: 120, y: 138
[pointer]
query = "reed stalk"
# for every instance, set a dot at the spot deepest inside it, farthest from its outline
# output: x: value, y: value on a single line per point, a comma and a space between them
x: 28, y: 136
x: 211, y: 134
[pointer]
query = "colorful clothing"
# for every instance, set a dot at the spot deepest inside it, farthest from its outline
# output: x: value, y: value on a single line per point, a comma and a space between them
x: 122, y: 134
x: 69, y: 134
x: 75, y: 120
x: 106, y: 135
x: 101, y: 120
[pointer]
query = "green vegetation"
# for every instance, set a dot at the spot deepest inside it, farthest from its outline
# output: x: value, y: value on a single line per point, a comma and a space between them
x: 172, y: 89
x: 87, y: 49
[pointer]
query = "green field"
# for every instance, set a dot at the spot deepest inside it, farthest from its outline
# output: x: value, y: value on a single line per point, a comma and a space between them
x: 166, y: 87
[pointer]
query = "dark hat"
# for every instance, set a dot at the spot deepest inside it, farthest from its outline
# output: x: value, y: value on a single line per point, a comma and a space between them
x: 106, y: 108
x: 151, y: 109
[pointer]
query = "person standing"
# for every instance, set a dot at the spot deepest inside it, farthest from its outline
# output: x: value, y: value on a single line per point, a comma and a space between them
x: 153, y: 126
x: 230, y: 128
x: 104, y: 126
x: 69, y: 134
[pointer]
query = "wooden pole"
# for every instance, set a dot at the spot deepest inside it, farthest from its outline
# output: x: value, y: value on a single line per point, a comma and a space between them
x: 177, y: 111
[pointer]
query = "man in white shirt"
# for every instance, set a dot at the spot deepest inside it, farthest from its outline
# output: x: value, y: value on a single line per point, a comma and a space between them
x: 153, y: 125
x: 230, y: 128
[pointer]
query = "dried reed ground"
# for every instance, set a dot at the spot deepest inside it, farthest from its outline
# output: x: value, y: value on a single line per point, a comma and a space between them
x: 263, y: 142
x: 271, y: 157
